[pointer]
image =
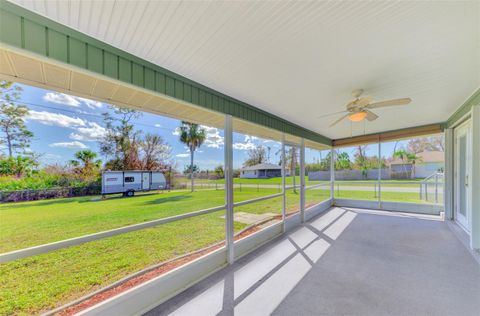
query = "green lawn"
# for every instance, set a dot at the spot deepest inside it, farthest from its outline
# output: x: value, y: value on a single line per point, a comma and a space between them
x: 289, y: 181
x: 411, y: 197
x: 45, y: 281
x: 278, y: 180
x: 42, y: 282
x: 32, y: 223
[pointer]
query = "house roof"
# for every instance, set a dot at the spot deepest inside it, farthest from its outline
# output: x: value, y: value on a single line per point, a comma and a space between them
x: 426, y: 157
x: 263, y: 166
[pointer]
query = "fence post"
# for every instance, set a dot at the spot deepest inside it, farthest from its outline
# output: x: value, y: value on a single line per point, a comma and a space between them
x: 436, y: 188
x: 426, y: 191
x: 421, y: 195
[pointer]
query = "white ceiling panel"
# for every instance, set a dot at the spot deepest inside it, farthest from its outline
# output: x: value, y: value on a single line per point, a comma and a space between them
x: 301, y: 60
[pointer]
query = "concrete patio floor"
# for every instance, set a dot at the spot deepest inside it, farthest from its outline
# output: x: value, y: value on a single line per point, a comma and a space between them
x: 345, y: 262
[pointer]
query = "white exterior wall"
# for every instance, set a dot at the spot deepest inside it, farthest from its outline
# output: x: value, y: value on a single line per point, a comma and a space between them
x: 424, y: 170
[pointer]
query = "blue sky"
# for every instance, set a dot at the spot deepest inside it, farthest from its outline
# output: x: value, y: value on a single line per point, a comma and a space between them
x: 63, y: 124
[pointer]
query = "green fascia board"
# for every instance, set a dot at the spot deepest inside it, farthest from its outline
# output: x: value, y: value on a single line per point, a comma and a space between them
x: 474, y: 99
x: 29, y: 31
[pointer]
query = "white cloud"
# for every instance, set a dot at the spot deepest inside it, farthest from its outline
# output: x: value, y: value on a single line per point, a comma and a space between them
x: 244, y: 146
x: 74, y: 144
x: 182, y: 155
x: 266, y: 141
x: 55, y: 119
x: 213, y: 139
x: 250, y: 142
x: 65, y: 99
x: 91, y: 103
x: 249, y: 138
x: 93, y: 132
x: 176, y: 132
x: 61, y: 98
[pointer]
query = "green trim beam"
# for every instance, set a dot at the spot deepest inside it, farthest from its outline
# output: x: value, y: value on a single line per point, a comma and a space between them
x: 29, y: 31
x: 464, y: 109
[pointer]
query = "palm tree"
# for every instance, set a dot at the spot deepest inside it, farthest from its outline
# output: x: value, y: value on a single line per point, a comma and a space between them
x: 413, y: 159
x: 193, y: 136
x: 402, y: 155
x: 86, y: 158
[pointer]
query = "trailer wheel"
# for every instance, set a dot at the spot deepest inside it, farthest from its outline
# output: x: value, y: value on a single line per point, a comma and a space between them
x: 130, y: 193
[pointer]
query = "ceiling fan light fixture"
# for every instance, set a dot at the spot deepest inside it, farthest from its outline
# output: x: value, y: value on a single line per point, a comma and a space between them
x: 358, y: 116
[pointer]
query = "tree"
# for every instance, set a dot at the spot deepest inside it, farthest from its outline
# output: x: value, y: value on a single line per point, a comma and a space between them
x: 219, y: 172
x: 342, y: 161
x: 256, y: 155
x: 429, y: 143
x: 85, y: 163
x: 17, y: 166
x: 193, y: 136
x: 121, y: 141
x: 190, y: 170
x: 15, y: 136
x: 325, y: 162
x: 413, y: 159
x: 401, y: 154
x: 291, y: 164
x: 361, y: 160
x: 155, y: 152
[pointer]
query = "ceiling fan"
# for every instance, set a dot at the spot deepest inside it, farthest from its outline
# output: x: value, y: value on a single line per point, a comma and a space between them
x: 359, y: 109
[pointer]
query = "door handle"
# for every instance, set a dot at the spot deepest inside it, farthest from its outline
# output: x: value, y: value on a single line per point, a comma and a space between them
x: 466, y: 180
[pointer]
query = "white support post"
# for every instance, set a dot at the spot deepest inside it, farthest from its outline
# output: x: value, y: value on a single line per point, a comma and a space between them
x: 302, y: 181
x: 332, y: 173
x: 229, y: 188
x: 379, y: 174
x: 284, y: 198
x: 475, y: 178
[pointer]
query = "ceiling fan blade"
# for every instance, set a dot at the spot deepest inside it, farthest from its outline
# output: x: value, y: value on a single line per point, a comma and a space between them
x: 389, y: 103
x: 371, y: 116
x: 330, y: 114
x: 338, y: 121
x: 362, y: 102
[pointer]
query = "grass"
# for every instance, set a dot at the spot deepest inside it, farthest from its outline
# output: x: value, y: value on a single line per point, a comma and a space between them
x: 28, y: 224
x: 289, y: 181
x: 411, y: 197
x: 42, y: 282
x: 32, y: 285
x: 271, y: 181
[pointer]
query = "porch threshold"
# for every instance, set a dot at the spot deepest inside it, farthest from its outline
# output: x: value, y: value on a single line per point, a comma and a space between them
x: 345, y: 261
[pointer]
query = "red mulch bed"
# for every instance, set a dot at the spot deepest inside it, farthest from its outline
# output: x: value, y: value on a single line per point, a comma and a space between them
x: 102, y: 296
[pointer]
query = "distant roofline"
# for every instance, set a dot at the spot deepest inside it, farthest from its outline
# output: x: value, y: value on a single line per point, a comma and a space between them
x: 263, y: 166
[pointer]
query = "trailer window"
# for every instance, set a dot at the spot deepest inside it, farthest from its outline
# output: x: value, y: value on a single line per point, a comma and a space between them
x: 129, y: 179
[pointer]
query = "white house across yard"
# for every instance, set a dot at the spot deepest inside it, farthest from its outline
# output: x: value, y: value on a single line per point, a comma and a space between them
x: 429, y: 163
x: 261, y: 171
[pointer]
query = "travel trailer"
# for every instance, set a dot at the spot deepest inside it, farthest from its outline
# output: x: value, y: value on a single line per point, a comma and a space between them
x: 129, y: 182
